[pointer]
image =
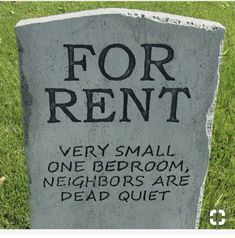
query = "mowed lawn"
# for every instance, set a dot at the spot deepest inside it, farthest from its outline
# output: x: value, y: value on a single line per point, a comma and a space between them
x: 220, y: 183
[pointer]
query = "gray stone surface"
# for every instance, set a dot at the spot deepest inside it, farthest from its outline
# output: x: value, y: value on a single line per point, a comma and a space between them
x: 164, y: 189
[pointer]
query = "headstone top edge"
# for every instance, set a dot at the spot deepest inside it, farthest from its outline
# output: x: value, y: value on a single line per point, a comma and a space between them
x: 155, y: 16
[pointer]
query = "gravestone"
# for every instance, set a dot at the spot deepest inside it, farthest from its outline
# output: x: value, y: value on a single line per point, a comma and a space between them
x: 118, y: 110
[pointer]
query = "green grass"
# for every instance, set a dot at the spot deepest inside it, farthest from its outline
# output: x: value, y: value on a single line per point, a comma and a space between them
x: 220, y: 184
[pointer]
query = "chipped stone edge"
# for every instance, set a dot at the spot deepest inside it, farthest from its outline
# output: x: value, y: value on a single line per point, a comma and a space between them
x: 26, y: 104
x: 209, y: 129
x: 26, y: 97
x: 155, y: 16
